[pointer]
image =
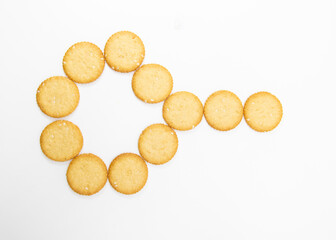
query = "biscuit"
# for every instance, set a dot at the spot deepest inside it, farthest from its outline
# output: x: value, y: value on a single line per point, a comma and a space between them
x: 158, y: 144
x: 61, y: 140
x: 152, y: 83
x: 124, y: 51
x: 223, y: 110
x: 182, y: 111
x: 87, y: 174
x: 57, y: 96
x: 83, y: 62
x: 128, y: 173
x: 262, y: 111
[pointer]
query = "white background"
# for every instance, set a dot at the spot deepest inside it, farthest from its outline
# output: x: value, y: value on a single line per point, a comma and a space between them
x: 232, y: 185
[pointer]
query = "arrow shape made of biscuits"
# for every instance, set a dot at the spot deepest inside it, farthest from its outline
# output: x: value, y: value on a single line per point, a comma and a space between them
x: 124, y: 51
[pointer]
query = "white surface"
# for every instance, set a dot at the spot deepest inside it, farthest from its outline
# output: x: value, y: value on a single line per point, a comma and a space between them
x: 220, y: 185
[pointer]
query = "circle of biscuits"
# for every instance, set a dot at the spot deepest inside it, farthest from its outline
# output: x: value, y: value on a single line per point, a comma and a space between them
x: 124, y: 51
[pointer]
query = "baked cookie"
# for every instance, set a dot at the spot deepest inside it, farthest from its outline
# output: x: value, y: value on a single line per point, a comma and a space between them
x: 152, y: 83
x: 87, y: 174
x: 128, y: 173
x: 57, y: 96
x: 262, y: 111
x: 223, y: 110
x: 124, y: 51
x: 61, y: 140
x: 83, y: 62
x: 158, y: 144
x: 182, y: 111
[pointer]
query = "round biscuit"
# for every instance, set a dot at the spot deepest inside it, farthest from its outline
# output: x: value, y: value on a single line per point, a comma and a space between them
x: 86, y: 174
x: 152, y: 83
x: 57, y: 96
x: 128, y: 173
x: 262, y: 111
x: 182, y: 111
x: 223, y: 110
x: 83, y: 62
x: 61, y: 140
x: 124, y: 51
x: 158, y: 144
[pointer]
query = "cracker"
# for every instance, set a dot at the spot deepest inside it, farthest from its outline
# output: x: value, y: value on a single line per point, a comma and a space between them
x: 152, y: 83
x: 124, y: 51
x: 158, y: 144
x: 61, y: 140
x: 83, y: 62
x: 223, y: 110
x: 182, y: 111
x: 57, y: 96
x: 128, y: 173
x: 263, y: 111
x: 87, y: 174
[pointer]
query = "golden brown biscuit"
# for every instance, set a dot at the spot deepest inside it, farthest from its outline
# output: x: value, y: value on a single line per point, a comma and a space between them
x: 124, y: 51
x: 182, y: 111
x: 262, y: 111
x: 158, y: 144
x: 61, y: 140
x: 87, y: 174
x: 57, y: 96
x: 223, y: 110
x: 83, y: 62
x: 128, y: 173
x: 152, y: 83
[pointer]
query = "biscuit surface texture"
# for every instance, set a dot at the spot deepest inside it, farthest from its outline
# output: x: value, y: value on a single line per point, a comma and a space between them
x: 57, y: 96
x: 182, y: 111
x: 83, y: 62
x: 158, y: 144
x: 87, y: 174
x: 223, y: 110
x: 128, y: 173
x: 61, y: 140
x: 262, y: 111
x: 124, y: 51
x: 152, y: 83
